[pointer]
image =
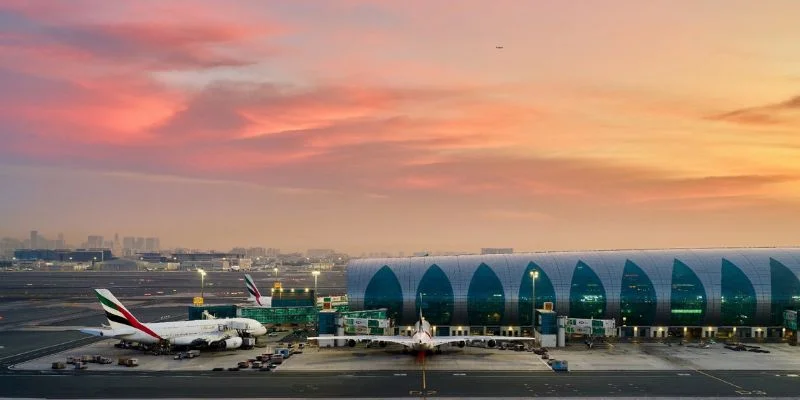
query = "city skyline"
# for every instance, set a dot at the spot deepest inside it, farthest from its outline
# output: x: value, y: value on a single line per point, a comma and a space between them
x: 365, y: 126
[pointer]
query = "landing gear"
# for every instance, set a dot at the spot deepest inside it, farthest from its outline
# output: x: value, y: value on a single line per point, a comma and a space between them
x: 438, y: 351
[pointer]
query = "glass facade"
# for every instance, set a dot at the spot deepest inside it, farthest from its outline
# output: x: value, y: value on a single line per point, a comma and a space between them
x: 435, y: 296
x: 650, y: 287
x: 383, y: 291
x: 738, y: 301
x: 587, y: 296
x: 544, y: 292
x: 486, y: 300
x: 637, y: 297
x: 785, y: 291
x: 280, y: 315
x: 688, y: 299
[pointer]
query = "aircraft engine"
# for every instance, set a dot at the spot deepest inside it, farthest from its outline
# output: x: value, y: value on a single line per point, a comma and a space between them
x: 491, y: 343
x: 233, y: 343
x: 382, y: 344
x: 462, y: 344
x: 351, y: 343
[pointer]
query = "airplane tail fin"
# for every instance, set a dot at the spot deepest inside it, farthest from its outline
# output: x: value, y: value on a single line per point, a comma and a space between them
x: 252, y: 289
x: 118, y: 316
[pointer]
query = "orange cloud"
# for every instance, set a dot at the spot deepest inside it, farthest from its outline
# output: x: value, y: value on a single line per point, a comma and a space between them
x: 783, y: 113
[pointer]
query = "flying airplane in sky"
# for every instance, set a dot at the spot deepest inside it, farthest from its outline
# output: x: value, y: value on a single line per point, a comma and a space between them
x: 422, y: 339
x: 213, y: 333
x: 255, y: 295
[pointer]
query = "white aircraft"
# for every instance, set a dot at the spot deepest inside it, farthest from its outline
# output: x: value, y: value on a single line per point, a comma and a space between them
x: 255, y: 295
x: 214, y: 333
x: 422, y: 339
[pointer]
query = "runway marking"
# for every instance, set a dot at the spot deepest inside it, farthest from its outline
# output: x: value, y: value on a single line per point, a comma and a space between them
x: 684, y: 374
x: 461, y: 374
x: 399, y: 374
x: 719, y: 379
x: 424, y: 383
x: 43, y: 348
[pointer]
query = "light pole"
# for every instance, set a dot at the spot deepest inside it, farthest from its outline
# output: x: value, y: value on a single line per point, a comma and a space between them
x: 534, y: 275
x: 275, y: 270
x: 202, y: 280
x: 316, y: 274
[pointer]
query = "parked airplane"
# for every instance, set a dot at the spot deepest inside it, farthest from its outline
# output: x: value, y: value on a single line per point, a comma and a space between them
x: 255, y: 295
x: 214, y: 333
x: 422, y: 339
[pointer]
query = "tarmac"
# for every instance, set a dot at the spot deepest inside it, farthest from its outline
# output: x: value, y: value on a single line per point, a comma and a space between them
x: 620, y: 357
x: 659, y: 356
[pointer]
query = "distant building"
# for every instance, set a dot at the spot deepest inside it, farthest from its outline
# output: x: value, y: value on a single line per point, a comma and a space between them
x: 34, y: 240
x: 319, y: 253
x: 152, y: 257
x: 181, y: 257
x: 255, y: 252
x: 497, y: 250
x: 79, y: 255
x: 273, y: 252
x: 322, y: 266
x: 118, y: 265
x: 208, y: 265
x: 152, y: 244
x: 94, y: 242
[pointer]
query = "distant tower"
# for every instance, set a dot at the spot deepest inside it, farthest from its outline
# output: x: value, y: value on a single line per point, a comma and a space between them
x: 34, y: 239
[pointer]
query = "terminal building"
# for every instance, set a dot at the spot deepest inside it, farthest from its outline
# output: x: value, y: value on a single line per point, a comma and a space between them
x: 739, y: 292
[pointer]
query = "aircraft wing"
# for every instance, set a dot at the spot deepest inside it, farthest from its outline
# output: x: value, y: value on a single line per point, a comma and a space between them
x: 440, y: 340
x: 112, y: 333
x: 404, y: 340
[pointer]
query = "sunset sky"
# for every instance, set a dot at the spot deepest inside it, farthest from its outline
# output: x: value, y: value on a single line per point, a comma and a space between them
x: 386, y: 126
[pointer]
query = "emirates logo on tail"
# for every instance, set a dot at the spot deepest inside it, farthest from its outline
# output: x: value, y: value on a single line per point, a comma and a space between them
x: 118, y: 314
x: 252, y: 289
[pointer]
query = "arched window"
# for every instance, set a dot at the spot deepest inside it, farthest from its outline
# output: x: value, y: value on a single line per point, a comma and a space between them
x: 544, y: 292
x: 485, y: 298
x: 637, y: 298
x: 587, y: 296
x: 785, y: 291
x: 688, y: 300
x: 383, y: 291
x: 436, y: 296
x: 738, y: 302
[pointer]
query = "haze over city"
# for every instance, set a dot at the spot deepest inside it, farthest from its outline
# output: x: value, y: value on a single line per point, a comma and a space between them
x: 370, y: 126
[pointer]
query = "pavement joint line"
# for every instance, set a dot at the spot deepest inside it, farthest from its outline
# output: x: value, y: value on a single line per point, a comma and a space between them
x: 719, y: 379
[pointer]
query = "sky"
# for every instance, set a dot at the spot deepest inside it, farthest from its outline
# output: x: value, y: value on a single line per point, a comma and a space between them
x: 400, y: 126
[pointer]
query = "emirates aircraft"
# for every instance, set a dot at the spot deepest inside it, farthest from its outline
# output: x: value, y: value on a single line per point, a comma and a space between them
x: 422, y: 339
x: 224, y: 333
x: 255, y: 295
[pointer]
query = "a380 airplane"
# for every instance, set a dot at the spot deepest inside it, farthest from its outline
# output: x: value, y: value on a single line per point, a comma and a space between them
x: 214, y: 333
x: 422, y: 339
